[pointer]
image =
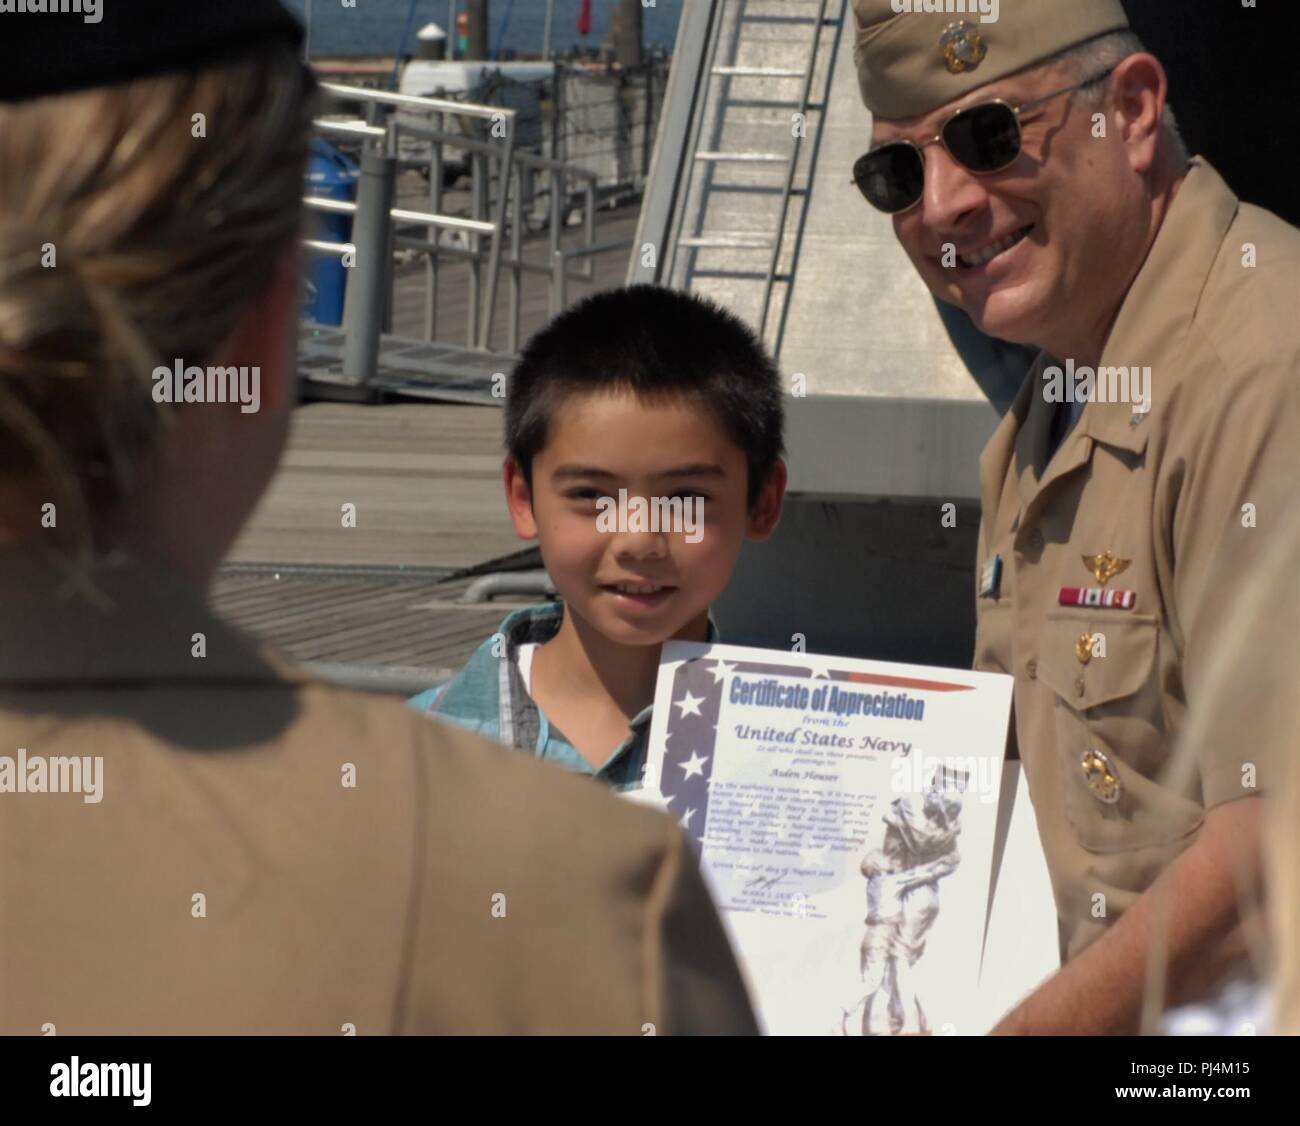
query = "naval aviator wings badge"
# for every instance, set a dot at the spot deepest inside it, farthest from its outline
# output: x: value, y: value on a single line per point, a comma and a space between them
x: 1104, y: 567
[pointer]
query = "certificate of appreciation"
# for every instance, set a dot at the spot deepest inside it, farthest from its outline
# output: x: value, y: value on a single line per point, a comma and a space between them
x: 845, y: 814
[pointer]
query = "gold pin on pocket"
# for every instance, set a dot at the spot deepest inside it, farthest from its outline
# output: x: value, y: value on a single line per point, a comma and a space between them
x: 1083, y: 648
x: 1100, y: 776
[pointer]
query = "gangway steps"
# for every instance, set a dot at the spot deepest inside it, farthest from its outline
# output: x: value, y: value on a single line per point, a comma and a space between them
x: 756, y: 72
x: 738, y: 241
x: 713, y: 156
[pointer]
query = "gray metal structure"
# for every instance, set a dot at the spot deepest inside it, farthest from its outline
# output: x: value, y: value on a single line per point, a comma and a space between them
x: 362, y: 359
x: 892, y: 396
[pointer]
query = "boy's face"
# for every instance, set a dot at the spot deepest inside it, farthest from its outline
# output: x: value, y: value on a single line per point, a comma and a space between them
x: 637, y: 586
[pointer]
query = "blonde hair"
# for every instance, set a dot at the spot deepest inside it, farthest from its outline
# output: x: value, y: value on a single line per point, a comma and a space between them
x: 134, y: 232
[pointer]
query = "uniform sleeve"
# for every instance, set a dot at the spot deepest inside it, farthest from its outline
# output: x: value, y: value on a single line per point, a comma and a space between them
x: 702, y: 989
x: 1228, y: 508
x: 1248, y: 697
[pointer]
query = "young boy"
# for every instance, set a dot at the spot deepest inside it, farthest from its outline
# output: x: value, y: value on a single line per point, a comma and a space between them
x: 638, y: 408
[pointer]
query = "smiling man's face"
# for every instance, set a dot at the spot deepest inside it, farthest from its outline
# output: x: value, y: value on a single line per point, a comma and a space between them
x: 1053, y: 217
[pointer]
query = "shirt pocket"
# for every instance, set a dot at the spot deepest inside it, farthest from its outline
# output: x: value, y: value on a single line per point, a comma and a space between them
x: 1112, y: 704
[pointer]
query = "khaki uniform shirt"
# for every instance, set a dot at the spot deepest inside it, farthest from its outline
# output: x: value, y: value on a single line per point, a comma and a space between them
x: 224, y: 877
x: 1163, y: 492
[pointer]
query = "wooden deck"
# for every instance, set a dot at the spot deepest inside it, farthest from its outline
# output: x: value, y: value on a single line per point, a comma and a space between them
x: 425, y: 479
x: 369, y: 629
x: 373, y: 604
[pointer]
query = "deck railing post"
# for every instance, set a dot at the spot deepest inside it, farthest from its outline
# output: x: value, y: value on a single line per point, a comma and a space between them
x: 366, y: 300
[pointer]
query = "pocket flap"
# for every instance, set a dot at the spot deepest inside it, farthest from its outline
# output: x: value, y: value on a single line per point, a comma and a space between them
x: 1127, y: 640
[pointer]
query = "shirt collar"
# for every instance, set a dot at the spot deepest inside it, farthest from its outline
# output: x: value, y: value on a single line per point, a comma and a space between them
x: 1161, y: 304
x: 121, y: 620
x: 536, y: 625
x: 529, y: 729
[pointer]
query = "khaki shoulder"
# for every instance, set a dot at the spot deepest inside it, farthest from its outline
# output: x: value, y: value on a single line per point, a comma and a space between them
x: 1248, y: 308
x: 551, y: 804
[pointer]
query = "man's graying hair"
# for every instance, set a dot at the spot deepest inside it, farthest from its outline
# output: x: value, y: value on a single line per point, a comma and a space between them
x: 1098, y: 56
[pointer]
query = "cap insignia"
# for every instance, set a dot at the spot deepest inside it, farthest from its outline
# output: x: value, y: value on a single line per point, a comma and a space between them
x: 962, y: 46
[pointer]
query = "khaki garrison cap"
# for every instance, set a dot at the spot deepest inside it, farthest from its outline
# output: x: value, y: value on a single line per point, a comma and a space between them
x: 916, y: 55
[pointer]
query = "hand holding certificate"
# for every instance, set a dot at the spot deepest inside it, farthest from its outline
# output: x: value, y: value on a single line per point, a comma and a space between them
x: 845, y: 813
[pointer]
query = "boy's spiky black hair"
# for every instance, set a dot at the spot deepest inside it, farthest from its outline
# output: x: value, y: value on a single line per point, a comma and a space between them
x: 657, y: 343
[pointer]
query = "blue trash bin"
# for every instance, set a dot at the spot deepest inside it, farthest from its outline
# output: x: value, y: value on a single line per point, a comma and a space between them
x: 333, y: 175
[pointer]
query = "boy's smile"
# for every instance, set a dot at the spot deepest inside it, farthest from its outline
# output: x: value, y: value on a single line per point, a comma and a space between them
x: 633, y: 594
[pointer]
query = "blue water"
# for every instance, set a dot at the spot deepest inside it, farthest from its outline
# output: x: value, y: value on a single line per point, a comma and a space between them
x: 375, y: 27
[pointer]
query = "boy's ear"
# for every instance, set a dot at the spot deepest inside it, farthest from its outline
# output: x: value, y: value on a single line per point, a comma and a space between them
x: 519, y: 499
x: 766, y: 512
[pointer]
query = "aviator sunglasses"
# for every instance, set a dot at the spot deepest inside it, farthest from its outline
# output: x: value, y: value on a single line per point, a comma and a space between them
x: 983, y: 139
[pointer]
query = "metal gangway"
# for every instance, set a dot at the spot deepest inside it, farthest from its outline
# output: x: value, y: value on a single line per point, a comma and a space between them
x: 738, y: 139
x: 363, y: 359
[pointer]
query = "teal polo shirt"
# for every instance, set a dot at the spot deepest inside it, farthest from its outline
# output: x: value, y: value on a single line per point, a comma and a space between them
x: 489, y: 697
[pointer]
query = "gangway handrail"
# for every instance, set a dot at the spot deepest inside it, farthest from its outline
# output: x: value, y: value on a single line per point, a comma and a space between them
x: 665, y: 183
x: 352, y: 128
x: 402, y: 215
x: 440, y: 105
x: 481, y: 314
x: 469, y: 144
x: 329, y: 247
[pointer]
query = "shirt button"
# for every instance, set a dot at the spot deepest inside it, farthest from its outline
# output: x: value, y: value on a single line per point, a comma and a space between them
x: 1031, y: 667
x: 1083, y: 648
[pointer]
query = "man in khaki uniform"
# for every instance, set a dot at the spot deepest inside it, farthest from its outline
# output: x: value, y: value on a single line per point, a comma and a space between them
x: 1068, y: 216
x: 194, y: 838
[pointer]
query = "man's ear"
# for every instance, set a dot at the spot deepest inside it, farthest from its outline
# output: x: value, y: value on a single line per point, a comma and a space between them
x: 766, y: 511
x: 519, y: 499
x: 1140, y: 89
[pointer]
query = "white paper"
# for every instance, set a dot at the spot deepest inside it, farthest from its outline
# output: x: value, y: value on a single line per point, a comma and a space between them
x: 850, y: 854
x: 1022, y: 943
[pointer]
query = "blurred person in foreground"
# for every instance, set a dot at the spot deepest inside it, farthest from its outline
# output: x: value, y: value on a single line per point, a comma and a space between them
x: 1251, y: 700
x: 194, y: 837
